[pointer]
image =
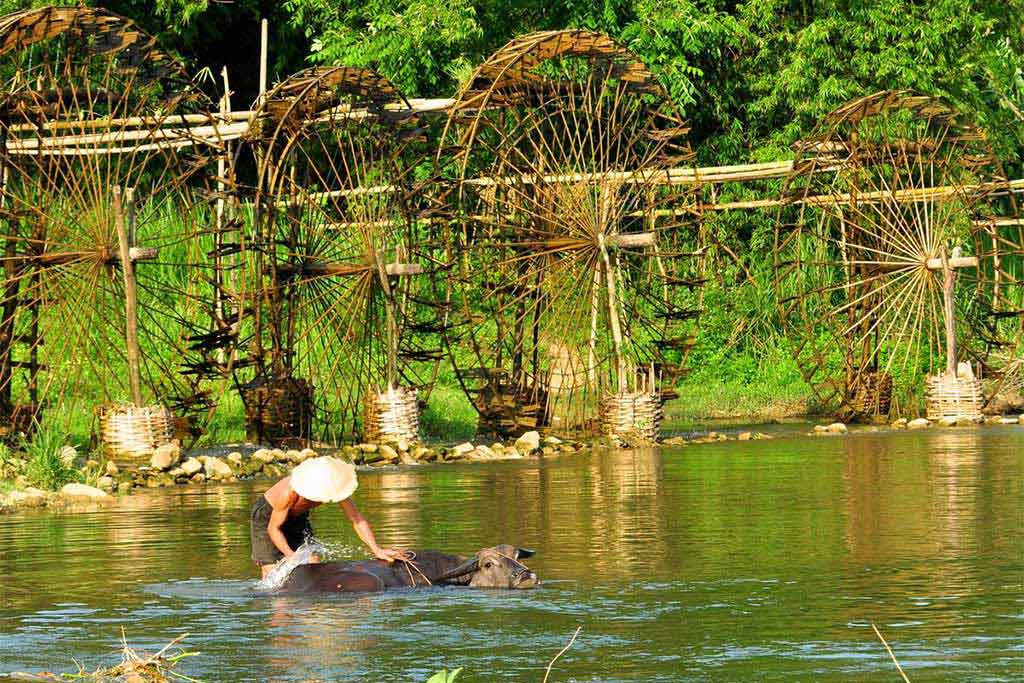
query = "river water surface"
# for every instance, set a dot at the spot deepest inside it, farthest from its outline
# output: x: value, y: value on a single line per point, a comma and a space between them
x: 739, y: 561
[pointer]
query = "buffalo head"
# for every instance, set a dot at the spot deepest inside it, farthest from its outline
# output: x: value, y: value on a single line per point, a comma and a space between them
x: 497, y: 567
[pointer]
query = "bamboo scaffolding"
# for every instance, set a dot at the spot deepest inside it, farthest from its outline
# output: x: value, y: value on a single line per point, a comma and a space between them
x: 236, y: 125
x: 718, y: 174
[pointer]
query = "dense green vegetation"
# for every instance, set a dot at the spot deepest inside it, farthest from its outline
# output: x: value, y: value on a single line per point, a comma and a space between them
x: 753, y: 77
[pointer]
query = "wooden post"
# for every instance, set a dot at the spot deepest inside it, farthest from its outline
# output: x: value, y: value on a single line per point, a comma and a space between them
x: 220, y: 281
x: 264, y: 43
x: 9, y: 310
x: 34, y: 341
x: 613, y: 315
x: 124, y: 217
x: 948, y: 280
x: 613, y: 306
x: 392, y: 326
x: 592, y: 342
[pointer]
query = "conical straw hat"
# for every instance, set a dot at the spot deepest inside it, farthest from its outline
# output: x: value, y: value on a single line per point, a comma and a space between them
x: 324, y: 480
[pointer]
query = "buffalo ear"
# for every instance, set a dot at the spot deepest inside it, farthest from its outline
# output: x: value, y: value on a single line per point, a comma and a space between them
x: 524, y: 553
x: 467, y: 567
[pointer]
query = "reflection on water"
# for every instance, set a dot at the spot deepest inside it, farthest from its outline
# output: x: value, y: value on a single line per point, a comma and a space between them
x: 763, y: 560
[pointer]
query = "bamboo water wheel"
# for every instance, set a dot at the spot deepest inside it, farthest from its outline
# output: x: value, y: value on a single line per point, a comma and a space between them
x: 574, y: 274
x: 898, y: 256
x: 342, y: 312
x: 103, y: 237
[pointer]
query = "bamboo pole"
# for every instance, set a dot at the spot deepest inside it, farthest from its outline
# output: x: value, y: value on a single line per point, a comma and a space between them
x: 218, y: 240
x: 392, y: 326
x: 264, y: 48
x: 124, y: 212
x: 206, y: 134
x: 127, y: 122
x: 679, y: 176
x: 10, y: 302
x: 948, y: 280
x: 101, y: 151
x: 592, y: 342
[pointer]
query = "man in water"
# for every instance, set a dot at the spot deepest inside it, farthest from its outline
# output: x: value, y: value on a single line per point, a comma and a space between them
x: 280, y: 517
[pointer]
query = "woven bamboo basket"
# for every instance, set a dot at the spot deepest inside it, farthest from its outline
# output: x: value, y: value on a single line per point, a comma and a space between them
x: 954, y: 396
x: 632, y: 413
x: 131, y: 433
x: 278, y: 411
x: 873, y: 394
x: 392, y: 415
x: 508, y: 410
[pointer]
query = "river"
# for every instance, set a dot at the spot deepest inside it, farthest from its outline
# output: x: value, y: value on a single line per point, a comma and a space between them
x: 735, y: 561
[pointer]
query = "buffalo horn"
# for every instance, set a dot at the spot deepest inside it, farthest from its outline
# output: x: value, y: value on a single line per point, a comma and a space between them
x: 469, y: 566
x: 524, y: 553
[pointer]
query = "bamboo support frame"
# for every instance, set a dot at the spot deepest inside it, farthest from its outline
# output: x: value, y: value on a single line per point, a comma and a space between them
x: 124, y: 218
x: 236, y: 125
x: 949, y: 310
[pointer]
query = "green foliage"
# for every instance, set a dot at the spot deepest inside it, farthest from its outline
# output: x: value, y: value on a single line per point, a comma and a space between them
x: 47, y: 465
x: 444, y: 676
x: 751, y: 75
x: 449, y: 416
x: 807, y: 62
x: 11, y: 465
x: 419, y: 44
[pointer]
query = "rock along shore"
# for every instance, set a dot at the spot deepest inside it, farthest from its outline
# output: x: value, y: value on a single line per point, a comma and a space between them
x: 169, y: 466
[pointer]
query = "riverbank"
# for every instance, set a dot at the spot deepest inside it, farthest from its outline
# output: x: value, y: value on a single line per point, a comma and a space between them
x: 169, y: 466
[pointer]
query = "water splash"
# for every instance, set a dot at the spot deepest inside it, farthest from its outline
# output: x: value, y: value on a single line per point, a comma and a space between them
x: 309, y: 551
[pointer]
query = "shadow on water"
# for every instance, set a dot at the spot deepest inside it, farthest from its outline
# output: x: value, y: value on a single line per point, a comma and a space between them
x: 760, y: 560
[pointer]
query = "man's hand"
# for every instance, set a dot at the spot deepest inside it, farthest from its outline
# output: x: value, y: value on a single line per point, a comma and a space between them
x: 387, y: 554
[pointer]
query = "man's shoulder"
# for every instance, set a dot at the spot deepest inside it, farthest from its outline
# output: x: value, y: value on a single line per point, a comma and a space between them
x: 281, y: 494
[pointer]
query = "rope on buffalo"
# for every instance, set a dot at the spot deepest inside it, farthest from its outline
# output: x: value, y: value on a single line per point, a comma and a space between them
x: 407, y: 557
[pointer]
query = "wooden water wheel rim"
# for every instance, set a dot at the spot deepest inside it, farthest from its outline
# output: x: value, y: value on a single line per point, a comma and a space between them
x: 618, y: 109
x: 880, y: 262
x: 97, y: 31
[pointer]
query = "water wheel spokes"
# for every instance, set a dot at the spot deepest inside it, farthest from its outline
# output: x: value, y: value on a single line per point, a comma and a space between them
x: 102, y: 238
x: 576, y: 269
x: 346, y: 280
x: 883, y: 263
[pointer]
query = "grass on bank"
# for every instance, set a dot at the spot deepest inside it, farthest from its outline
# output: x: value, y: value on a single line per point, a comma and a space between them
x: 48, y: 465
x: 43, y: 461
x: 742, y: 386
x: 734, y: 384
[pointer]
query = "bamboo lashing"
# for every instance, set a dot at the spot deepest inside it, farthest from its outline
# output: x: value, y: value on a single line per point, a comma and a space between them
x: 956, y: 395
x: 278, y: 411
x: 632, y: 414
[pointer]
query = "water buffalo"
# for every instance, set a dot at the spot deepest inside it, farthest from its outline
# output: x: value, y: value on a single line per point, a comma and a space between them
x: 497, y: 567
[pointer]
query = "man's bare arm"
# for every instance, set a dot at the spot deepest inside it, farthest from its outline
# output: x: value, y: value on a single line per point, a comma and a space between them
x: 277, y: 518
x: 365, y: 532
